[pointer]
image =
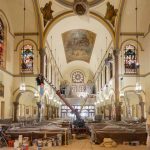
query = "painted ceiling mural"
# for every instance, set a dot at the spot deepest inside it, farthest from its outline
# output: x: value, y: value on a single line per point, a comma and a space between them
x: 78, y: 44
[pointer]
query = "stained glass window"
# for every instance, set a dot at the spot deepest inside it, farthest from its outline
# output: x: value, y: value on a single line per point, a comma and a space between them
x: 27, y: 59
x: 130, y: 59
x: 2, y: 54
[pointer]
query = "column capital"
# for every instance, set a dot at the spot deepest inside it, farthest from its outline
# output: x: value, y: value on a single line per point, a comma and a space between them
x: 16, y: 103
x: 116, y: 52
x: 42, y: 51
x: 141, y: 103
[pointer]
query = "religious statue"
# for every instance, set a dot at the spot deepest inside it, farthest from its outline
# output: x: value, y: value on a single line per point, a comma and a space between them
x: 111, y: 13
x: 47, y: 12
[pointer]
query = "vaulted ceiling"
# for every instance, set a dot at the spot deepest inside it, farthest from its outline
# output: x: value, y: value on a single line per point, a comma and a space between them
x: 64, y: 22
x: 61, y: 35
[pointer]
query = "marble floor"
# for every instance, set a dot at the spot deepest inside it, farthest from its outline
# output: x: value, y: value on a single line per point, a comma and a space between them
x: 85, y: 144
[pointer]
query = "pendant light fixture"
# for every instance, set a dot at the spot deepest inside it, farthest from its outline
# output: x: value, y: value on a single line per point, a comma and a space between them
x: 138, y: 87
x: 22, y: 87
x: 121, y: 78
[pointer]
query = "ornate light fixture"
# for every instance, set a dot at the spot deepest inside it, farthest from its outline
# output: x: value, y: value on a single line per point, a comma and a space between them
x: 138, y: 87
x: 122, y: 91
x: 36, y: 94
x: 22, y: 87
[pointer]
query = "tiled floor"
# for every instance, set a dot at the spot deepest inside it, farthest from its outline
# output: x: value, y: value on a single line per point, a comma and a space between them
x: 86, y: 145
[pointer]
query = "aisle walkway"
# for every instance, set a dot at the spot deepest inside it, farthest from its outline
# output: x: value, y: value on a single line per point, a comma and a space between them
x: 86, y: 145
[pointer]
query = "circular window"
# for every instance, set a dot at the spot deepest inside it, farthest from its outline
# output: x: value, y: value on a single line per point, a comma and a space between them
x: 77, y: 77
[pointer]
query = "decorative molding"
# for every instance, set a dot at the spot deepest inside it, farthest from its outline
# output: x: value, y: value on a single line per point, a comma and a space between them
x: 135, y: 75
x: 17, y: 75
x: 4, y: 70
x: 70, y: 4
x: 26, y: 34
x: 132, y: 34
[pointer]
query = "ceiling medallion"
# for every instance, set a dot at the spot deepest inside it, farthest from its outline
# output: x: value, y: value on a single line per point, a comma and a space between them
x: 80, y: 7
x: 70, y: 3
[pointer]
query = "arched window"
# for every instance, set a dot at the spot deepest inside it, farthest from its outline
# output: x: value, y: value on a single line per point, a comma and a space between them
x: 130, y: 59
x: 27, y: 59
x: 77, y: 77
x: 2, y: 52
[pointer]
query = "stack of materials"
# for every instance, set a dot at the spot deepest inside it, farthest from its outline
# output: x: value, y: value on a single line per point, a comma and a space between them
x: 21, y: 143
x: 120, y: 132
x: 108, y: 142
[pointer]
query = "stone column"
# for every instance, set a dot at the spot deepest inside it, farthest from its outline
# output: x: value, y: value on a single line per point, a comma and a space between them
x: 110, y: 111
x: 42, y: 54
x: 142, y: 111
x: 15, y: 110
x: 57, y: 112
x: 104, y: 107
x: 47, y: 107
x: 117, y: 103
x: 39, y: 107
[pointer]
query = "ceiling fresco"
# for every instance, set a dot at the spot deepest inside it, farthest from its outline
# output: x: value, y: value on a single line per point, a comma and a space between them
x: 78, y: 44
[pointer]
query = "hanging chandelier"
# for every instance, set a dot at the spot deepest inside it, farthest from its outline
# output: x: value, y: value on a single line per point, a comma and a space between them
x: 36, y: 94
x: 22, y: 86
x: 138, y: 87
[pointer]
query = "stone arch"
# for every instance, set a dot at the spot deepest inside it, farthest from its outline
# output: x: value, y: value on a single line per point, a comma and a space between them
x: 17, y: 93
x: 6, y: 22
x: 26, y: 41
x: 132, y: 41
x: 70, y: 13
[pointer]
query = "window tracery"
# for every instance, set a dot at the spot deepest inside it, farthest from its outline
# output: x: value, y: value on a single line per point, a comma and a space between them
x: 77, y: 77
